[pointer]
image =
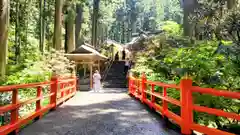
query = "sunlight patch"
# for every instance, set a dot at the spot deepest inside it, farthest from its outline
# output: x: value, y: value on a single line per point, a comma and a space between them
x: 108, y: 111
x: 129, y: 113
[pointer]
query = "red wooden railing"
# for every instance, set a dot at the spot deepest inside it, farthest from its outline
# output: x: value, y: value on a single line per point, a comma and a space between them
x: 60, y: 91
x: 138, y: 89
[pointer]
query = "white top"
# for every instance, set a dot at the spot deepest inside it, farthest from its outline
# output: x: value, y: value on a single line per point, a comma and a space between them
x: 127, y: 63
x: 96, y: 77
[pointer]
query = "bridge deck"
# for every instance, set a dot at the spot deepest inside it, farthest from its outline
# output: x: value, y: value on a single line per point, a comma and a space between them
x: 111, y: 112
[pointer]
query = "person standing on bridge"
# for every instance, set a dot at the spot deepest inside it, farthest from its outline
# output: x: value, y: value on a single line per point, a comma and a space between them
x: 127, y: 65
x: 123, y: 54
x: 96, y: 81
x: 116, y: 56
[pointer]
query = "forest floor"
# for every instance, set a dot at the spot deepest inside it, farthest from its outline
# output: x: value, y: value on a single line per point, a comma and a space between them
x: 109, y: 112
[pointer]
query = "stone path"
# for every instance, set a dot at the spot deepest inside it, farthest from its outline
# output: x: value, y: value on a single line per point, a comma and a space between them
x: 110, y: 112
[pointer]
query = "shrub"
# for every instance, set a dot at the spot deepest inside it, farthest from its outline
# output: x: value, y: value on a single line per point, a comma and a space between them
x: 207, y: 62
x: 36, y: 70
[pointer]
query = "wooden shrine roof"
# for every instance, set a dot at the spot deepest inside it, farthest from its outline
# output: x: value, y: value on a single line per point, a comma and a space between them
x: 85, y: 53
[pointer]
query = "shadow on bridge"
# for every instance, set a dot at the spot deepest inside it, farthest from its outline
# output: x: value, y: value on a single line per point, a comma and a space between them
x: 108, y: 113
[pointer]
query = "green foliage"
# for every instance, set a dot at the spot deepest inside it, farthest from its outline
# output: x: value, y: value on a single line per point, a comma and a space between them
x: 172, y: 28
x: 41, y: 70
x: 206, y: 62
x: 26, y: 64
x: 35, y: 70
x: 131, y: 16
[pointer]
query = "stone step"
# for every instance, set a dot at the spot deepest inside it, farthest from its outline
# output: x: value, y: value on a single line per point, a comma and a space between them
x: 119, y: 71
x: 114, y: 86
x: 118, y: 62
x: 116, y: 76
x: 115, y: 81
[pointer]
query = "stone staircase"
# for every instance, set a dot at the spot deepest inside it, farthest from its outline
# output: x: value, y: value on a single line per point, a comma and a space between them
x: 115, y: 78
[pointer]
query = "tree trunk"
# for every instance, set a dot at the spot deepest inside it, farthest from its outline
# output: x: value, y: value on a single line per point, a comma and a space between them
x: 57, y: 39
x: 186, y: 25
x: 119, y: 36
x: 27, y: 18
x: 17, y: 34
x: 41, y: 25
x: 99, y: 34
x: 123, y: 32
x: 188, y: 7
x: 66, y: 37
x: 71, y: 31
x: 134, y: 27
x: 79, y: 18
x: 231, y: 3
x: 48, y: 18
x: 4, y: 20
x: 129, y: 32
x: 95, y: 22
x: 106, y: 32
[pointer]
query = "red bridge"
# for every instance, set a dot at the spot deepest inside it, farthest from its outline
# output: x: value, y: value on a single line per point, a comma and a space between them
x: 109, y: 112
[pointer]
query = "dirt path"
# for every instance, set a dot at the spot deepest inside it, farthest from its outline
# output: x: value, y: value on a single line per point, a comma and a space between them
x: 111, y: 112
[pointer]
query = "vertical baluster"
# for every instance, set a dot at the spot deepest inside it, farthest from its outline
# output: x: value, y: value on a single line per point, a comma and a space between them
x: 68, y: 90
x: 186, y: 106
x: 38, y: 103
x: 14, y: 112
x: 75, y: 85
x: 62, y: 92
x: 152, y: 96
x: 54, y: 90
x: 135, y: 87
x: 65, y: 91
x: 129, y: 85
x: 164, y: 102
x: 144, y: 87
x: 138, y: 91
x: 78, y: 84
x: 139, y: 87
x: 71, y: 85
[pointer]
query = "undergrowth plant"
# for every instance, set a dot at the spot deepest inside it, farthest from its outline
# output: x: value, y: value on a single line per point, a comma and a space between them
x: 169, y: 57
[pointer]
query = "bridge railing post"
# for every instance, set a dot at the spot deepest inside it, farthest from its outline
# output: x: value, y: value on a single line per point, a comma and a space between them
x: 78, y: 84
x: 53, y: 89
x: 75, y: 84
x: 152, y: 96
x: 134, y: 87
x: 15, y: 112
x: 144, y: 80
x: 164, y: 102
x: 186, y: 106
x: 38, y: 103
x: 129, y: 85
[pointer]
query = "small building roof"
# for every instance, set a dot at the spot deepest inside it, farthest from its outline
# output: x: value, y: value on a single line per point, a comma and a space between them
x: 84, y: 49
x: 85, y: 53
